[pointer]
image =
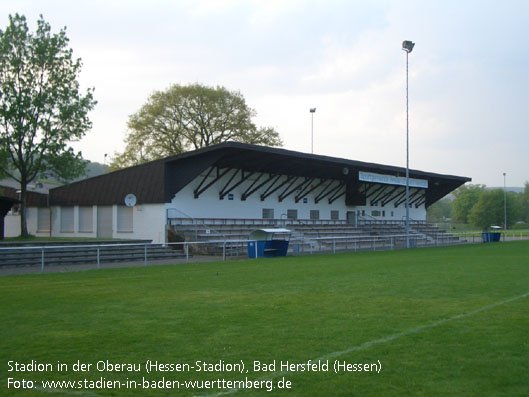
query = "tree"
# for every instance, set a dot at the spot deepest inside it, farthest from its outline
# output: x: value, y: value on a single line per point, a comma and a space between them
x: 189, y: 117
x: 490, y: 209
x: 440, y: 210
x: 466, y: 197
x: 525, y: 203
x: 41, y: 107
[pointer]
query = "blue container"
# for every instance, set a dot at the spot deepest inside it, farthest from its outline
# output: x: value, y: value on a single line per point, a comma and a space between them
x: 267, y: 248
x: 491, y: 237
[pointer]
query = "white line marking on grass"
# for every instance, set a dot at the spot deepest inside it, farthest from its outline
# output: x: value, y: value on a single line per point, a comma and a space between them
x: 389, y: 338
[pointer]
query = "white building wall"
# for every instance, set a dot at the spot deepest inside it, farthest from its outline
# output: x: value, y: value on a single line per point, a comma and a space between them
x: 148, y: 223
x: 208, y: 204
x: 12, y: 224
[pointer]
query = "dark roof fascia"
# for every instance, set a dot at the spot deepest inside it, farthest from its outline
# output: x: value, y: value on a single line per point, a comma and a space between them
x: 317, y: 157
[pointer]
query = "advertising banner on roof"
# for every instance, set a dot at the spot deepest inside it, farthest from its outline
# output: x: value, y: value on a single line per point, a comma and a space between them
x: 391, y: 179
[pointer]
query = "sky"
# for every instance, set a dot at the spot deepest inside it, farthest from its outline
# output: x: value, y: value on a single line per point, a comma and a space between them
x: 468, y: 73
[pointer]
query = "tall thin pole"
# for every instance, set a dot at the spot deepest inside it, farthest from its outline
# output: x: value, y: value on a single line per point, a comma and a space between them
x: 312, y: 111
x: 312, y: 132
x: 504, y: 201
x: 407, y: 163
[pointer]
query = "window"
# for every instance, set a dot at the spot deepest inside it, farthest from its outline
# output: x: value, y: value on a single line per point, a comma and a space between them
x: 67, y: 219
x: 43, y: 220
x: 230, y: 196
x: 383, y: 213
x: 363, y: 212
x: 314, y: 214
x: 335, y: 215
x: 125, y: 219
x: 292, y: 214
x: 305, y: 200
x: 375, y: 213
x: 86, y: 219
x: 268, y: 213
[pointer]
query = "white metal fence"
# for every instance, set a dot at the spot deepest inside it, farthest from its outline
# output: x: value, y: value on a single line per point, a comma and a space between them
x: 144, y: 253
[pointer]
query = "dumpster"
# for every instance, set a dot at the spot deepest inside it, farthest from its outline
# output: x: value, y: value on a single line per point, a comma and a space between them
x: 268, y: 243
x: 491, y: 236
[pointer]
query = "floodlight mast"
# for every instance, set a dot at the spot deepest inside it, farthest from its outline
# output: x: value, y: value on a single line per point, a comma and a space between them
x: 408, y: 47
x: 504, y: 202
x: 312, y: 111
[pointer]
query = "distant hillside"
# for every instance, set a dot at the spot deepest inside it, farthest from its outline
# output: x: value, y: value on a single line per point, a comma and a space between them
x: 94, y: 169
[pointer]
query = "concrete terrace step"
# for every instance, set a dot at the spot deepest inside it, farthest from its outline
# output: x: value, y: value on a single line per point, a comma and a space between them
x: 26, y: 256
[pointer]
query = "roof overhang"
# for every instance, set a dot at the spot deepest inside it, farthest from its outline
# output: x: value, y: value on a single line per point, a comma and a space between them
x: 158, y: 181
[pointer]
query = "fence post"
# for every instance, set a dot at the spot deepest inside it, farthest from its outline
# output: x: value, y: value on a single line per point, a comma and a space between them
x: 98, y: 265
x: 42, y: 262
x: 334, y: 246
x: 145, y: 251
x: 186, y: 246
x: 224, y: 250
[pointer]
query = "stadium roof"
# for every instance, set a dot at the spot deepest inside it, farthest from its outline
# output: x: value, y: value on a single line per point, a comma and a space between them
x: 158, y: 181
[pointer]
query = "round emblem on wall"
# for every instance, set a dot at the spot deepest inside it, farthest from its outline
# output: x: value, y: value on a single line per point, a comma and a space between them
x: 130, y: 200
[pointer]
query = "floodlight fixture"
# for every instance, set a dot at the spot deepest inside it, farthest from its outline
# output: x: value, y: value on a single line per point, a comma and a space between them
x: 408, y: 45
x: 313, y: 110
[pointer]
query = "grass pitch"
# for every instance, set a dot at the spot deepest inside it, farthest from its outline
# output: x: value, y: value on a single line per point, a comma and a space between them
x: 438, y: 321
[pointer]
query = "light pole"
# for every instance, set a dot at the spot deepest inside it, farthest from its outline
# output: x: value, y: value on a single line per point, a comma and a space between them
x: 408, y: 47
x: 312, y: 111
x: 504, y: 201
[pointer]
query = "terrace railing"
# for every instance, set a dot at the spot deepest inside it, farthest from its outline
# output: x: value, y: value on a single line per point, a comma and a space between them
x: 44, y: 257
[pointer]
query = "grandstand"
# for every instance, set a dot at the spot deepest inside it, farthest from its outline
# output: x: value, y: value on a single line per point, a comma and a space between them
x: 309, y: 235
x: 225, y: 191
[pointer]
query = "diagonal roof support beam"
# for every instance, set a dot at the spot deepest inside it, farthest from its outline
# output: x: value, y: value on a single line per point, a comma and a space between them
x: 202, y: 181
x: 272, y: 188
x: 393, y: 197
x: 338, y: 194
x: 198, y: 191
x: 244, y: 177
x: 324, y: 193
x: 221, y: 195
x: 287, y: 192
x: 306, y: 192
x: 368, y: 188
x: 417, y: 199
x: 403, y: 199
x: 421, y: 202
x: 381, y: 193
x: 251, y: 190
x: 370, y: 193
x: 386, y: 195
